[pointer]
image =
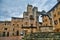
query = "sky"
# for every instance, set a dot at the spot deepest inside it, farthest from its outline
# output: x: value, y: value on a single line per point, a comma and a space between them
x: 15, y: 8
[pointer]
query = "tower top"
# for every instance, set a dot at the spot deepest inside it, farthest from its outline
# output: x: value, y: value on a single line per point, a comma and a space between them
x: 58, y: 0
x: 29, y: 5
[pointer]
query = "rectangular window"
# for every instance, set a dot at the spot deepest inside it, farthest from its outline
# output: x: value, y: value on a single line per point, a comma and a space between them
x: 58, y: 13
x: 31, y: 17
x: 7, y: 33
x: 22, y: 25
x: 13, y: 24
x: 45, y: 19
x: 13, y: 34
x: 26, y: 23
x: 54, y: 15
x: 13, y: 29
x: 31, y: 25
x: 5, y: 28
x: 5, y: 23
x: 55, y: 22
x: 27, y: 14
x: 17, y: 24
x: 46, y: 24
x: 59, y: 20
x: 17, y: 33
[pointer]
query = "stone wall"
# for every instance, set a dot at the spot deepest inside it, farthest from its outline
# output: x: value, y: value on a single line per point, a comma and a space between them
x: 11, y: 38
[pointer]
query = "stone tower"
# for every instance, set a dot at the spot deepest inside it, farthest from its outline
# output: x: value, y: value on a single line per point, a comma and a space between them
x: 32, y: 15
x: 35, y: 10
x: 29, y: 9
x: 30, y: 18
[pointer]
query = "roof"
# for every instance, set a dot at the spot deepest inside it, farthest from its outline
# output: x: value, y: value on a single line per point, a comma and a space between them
x: 54, y: 7
x: 25, y: 13
x: 41, y: 13
x: 5, y: 21
x: 16, y: 18
x: 1, y: 21
x: 46, y: 15
x: 35, y: 8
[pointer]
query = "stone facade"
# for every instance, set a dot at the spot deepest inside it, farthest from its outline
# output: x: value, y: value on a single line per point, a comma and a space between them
x: 55, y: 15
x: 30, y: 22
x: 24, y: 25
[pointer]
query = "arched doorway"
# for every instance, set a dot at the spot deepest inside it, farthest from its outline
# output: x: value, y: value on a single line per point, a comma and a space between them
x: 17, y: 33
x: 3, y: 34
x: 7, y: 33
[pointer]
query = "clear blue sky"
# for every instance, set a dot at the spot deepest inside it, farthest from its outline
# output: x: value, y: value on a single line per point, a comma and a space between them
x: 15, y: 8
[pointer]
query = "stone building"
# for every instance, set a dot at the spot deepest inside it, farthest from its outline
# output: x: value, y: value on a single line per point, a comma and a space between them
x: 17, y: 26
x: 46, y: 24
x: 54, y: 13
x: 30, y: 22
